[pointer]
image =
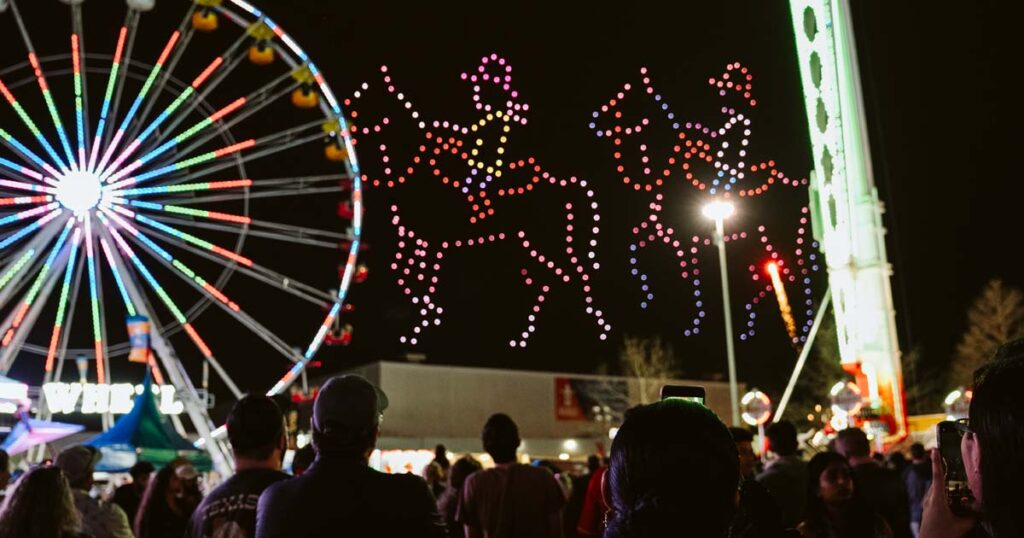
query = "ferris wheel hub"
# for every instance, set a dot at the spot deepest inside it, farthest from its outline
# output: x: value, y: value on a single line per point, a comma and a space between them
x: 79, y: 191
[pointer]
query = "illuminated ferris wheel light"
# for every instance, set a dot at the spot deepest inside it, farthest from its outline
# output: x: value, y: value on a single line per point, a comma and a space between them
x: 79, y: 191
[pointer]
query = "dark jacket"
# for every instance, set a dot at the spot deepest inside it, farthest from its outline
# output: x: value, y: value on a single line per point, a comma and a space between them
x: 343, y: 497
x: 786, y: 479
x: 918, y: 479
x: 884, y: 490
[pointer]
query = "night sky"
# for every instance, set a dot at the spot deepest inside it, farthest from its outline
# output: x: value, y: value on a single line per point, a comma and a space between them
x: 940, y: 92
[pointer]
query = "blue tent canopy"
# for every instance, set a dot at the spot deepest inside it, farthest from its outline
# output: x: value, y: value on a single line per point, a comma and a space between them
x: 145, y: 434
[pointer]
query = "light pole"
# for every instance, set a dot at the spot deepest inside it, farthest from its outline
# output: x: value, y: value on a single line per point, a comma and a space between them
x: 719, y: 211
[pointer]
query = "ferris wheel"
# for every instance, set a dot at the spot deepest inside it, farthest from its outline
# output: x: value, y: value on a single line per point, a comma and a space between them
x: 198, y: 175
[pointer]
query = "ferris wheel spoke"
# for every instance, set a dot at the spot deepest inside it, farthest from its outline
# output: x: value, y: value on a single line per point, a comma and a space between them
x: 30, y: 156
x: 28, y: 309
x: 61, y: 352
x: 192, y: 212
x: 38, y: 134
x: 179, y: 316
x: 25, y: 200
x: 174, y: 167
x: 12, y: 185
x: 18, y: 263
x: 229, y: 59
x: 333, y: 245
x: 26, y: 175
x: 248, y: 157
x: 139, y: 98
x: 163, y: 228
x: 276, y: 193
x: 204, y: 287
x: 81, y: 86
x: 282, y: 282
x: 44, y: 86
x: 186, y: 32
x: 113, y: 176
x: 16, y: 267
x: 272, y: 143
x: 137, y: 139
x: 257, y: 271
x: 131, y: 19
x: 186, y: 187
x: 76, y: 62
x: 118, y: 279
x: 60, y: 325
x: 183, y: 114
x: 22, y: 215
x: 29, y: 228
x: 99, y: 342
x: 255, y: 102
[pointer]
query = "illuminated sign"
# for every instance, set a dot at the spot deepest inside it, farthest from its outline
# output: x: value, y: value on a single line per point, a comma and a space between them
x: 12, y: 394
x: 118, y: 398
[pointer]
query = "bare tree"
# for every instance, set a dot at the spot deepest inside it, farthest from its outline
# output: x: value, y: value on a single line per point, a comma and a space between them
x: 996, y: 317
x: 650, y: 361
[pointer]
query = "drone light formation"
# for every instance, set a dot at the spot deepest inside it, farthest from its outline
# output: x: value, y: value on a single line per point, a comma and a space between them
x: 708, y: 160
x: 473, y: 160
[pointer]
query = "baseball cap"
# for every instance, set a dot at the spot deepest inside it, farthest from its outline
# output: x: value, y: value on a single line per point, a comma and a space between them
x: 348, y: 406
x: 78, y: 462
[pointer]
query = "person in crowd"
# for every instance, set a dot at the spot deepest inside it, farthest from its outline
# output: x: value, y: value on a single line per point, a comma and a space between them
x: 448, y: 503
x: 302, y: 460
x: 512, y: 500
x: 674, y: 472
x: 992, y: 447
x: 897, y: 461
x: 918, y: 479
x: 836, y: 508
x: 171, y: 496
x: 340, y: 494
x: 128, y: 496
x: 591, y: 522
x: 99, y: 519
x: 745, y: 446
x: 785, y: 476
x: 256, y: 431
x: 434, y: 476
x: 574, y: 507
x: 40, y: 505
x: 441, y: 458
x: 758, y: 514
x: 881, y: 487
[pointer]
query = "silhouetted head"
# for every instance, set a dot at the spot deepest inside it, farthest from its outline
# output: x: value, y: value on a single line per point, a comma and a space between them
x: 501, y: 438
x: 674, y: 471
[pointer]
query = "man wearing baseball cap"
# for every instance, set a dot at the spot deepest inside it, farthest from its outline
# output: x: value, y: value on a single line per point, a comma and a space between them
x: 340, y: 495
x: 101, y: 520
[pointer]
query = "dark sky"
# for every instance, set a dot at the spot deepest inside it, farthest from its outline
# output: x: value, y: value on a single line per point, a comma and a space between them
x: 941, y: 96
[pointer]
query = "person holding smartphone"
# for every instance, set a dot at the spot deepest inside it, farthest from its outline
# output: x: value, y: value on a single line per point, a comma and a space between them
x: 992, y: 450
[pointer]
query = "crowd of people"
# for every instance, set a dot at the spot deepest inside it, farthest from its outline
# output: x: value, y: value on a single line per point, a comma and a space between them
x: 675, y: 470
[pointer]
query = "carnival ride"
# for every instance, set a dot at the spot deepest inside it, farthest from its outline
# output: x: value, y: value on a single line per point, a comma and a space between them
x: 144, y: 203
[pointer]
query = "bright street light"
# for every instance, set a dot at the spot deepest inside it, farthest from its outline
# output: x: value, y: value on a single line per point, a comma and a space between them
x: 718, y: 211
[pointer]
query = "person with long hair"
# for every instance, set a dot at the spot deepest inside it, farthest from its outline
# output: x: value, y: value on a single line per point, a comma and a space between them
x: 674, y: 472
x: 171, y: 497
x: 835, y: 508
x: 448, y: 502
x: 992, y: 449
x: 40, y: 506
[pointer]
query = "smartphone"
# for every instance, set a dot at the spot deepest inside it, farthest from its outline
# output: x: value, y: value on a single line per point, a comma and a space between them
x: 693, y: 393
x: 949, y: 435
